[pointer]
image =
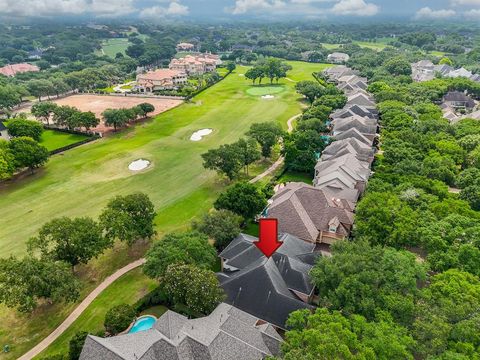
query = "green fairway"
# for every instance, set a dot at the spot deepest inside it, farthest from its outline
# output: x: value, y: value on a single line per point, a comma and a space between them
x: 260, y: 90
x: 81, y: 181
x: 111, y: 47
x: 53, y: 140
x: 379, y: 45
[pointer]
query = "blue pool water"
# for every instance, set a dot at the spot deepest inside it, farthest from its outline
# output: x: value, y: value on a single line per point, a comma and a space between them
x: 142, y: 324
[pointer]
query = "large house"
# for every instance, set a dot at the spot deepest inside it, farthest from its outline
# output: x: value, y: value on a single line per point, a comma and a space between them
x: 272, y: 288
x: 458, y: 100
x: 311, y: 214
x: 14, y: 69
x: 227, y: 333
x: 183, y: 46
x: 161, y: 79
x: 4, y: 132
x: 196, y: 64
x: 338, y: 58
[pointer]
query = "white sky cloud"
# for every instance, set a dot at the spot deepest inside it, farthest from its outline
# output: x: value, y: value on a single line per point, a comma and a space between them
x: 473, y: 14
x: 245, y: 6
x: 306, y: 7
x: 102, y: 8
x: 428, y: 13
x: 355, y: 7
x: 175, y: 8
x: 465, y: 2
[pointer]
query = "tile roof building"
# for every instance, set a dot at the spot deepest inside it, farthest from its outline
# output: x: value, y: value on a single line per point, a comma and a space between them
x: 161, y: 79
x: 272, y: 288
x: 14, y: 69
x: 183, y: 46
x: 196, y: 64
x: 226, y: 334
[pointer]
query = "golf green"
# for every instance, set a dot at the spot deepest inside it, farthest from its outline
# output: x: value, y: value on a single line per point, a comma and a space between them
x: 260, y: 90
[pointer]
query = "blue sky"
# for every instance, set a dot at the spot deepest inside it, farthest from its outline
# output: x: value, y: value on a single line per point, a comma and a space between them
x: 158, y: 10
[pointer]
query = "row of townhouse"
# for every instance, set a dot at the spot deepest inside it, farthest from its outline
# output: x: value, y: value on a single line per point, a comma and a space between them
x: 310, y: 217
x: 425, y: 70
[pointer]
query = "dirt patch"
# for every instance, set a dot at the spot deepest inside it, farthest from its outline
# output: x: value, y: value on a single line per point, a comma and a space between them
x: 99, y: 103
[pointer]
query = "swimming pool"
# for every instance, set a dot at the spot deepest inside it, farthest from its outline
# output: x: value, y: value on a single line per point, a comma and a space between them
x: 143, y: 323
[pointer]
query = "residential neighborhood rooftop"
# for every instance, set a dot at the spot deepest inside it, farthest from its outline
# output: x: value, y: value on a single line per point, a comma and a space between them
x: 222, y: 335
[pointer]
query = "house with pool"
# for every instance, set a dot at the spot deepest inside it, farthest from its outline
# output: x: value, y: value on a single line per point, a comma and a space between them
x: 227, y: 333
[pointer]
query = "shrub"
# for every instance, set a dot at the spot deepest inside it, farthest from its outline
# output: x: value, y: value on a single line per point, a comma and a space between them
x: 76, y: 345
x: 119, y: 318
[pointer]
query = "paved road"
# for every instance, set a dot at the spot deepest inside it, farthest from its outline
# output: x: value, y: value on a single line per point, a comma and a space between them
x: 79, y: 310
x: 115, y: 276
x: 279, y: 162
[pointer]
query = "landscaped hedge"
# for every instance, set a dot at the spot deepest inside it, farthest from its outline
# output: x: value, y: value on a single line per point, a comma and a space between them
x: 71, y: 146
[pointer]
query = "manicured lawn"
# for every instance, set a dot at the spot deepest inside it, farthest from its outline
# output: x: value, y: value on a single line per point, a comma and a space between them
x: 82, y: 180
x: 260, y: 90
x: 53, y: 140
x: 291, y: 176
x: 111, y: 47
x: 156, y: 311
x: 372, y: 45
x: 379, y: 45
x: 128, y: 289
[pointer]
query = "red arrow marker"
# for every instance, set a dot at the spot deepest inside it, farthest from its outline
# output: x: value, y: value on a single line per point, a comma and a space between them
x: 268, y: 240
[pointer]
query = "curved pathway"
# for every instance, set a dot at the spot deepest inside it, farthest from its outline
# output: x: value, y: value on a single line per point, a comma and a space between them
x: 79, y: 310
x: 279, y: 162
x: 119, y: 273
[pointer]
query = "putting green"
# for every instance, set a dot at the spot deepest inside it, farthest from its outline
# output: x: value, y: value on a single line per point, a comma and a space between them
x: 265, y: 90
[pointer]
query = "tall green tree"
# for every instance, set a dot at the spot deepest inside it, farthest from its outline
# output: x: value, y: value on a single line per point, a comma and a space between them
x: 115, y: 117
x: 196, y: 288
x: 179, y: 248
x: 43, y: 110
x: 225, y: 160
x: 243, y: 199
x: 25, y: 282
x: 369, y: 281
x: 128, y: 218
x: 331, y: 335
x: 22, y: 127
x: 220, y: 225
x: 267, y: 134
x: 248, y: 151
x: 86, y: 119
x: 74, y: 241
x: 28, y: 153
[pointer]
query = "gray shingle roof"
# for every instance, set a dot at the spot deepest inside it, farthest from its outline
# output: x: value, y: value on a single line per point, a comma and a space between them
x: 288, y: 259
x: 355, y: 110
x: 261, y: 291
x: 226, y: 334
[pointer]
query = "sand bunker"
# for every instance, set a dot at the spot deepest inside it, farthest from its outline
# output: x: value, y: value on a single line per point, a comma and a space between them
x: 138, y: 165
x: 197, y: 135
x: 268, y: 97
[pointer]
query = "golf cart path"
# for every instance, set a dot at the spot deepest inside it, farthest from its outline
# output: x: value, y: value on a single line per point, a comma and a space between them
x: 279, y: 162
x: 55, y: 334
x: 80, y: 309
